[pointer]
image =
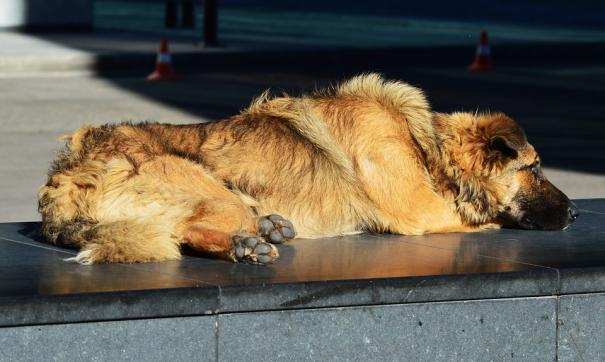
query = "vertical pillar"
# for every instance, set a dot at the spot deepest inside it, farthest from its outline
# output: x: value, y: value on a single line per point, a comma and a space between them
x: 187, y: 14
x: 210, y: 22
x: 170, y: 13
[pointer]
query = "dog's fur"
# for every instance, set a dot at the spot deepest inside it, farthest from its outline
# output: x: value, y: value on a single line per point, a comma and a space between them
x: 367, y: 155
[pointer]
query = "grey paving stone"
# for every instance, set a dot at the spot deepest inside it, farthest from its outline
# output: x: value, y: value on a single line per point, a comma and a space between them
x: 582, y: 327
x: 90, y: 307
x: 171, y: 339
x: 499, y: 330
x: 582, y: 280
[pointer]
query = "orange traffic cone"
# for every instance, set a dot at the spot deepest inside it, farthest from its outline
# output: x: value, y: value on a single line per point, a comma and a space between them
x: 163, y: 66
x: 483, y: 59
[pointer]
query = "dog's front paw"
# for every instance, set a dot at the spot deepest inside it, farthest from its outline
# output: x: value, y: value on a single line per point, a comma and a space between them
x: 253, y: 249
x: 275, y: 229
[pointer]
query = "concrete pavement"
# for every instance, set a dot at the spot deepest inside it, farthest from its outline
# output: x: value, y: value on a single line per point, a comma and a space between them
x: 35, y: 112
x: 127, y: 35
x: 550, y: 79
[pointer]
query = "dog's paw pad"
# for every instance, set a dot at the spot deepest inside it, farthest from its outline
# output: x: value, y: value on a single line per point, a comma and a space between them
x: 253, y: 250
x: 275, y: 229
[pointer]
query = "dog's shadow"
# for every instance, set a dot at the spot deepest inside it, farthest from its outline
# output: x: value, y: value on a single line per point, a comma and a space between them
x: 33, y: 231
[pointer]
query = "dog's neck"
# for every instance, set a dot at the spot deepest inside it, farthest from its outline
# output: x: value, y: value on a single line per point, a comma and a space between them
x: 469, y: 197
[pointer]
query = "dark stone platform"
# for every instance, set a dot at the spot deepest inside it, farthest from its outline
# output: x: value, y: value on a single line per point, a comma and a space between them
x: 38, y: 287
x: 497, y: 295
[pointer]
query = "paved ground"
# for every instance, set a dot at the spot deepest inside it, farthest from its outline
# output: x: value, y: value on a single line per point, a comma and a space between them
x: 52, y: 83
x: 270, y: 25
x: 133, y: 28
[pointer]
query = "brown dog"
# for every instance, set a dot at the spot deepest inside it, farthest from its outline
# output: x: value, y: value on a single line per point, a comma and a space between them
x: 368, y: 155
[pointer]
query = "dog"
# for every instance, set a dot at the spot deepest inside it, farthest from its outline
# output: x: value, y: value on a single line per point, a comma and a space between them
x: 367, y: 155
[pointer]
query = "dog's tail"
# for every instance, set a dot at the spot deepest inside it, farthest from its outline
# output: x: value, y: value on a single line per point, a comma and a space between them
x: 124, y: 241
x: 65, y: 221
x: 69, y: 201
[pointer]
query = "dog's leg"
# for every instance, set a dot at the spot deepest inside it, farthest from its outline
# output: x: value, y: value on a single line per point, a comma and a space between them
x: 219, y: 222
x: 227, y: 228
x: 238, y: 247
x: 234, y: 236
x: 462, y: 228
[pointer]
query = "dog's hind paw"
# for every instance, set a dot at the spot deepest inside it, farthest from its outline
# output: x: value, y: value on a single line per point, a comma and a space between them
x: 253, y: 249
x: 275, y: 229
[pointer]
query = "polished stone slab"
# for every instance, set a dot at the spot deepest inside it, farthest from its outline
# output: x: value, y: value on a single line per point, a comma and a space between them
x: 581, y: 245
x: 581, y: 327
x: 164, y: 339
x: 37, y: 286
x: 497, y: 330
x: 364, y: 269
x: 577, y: 253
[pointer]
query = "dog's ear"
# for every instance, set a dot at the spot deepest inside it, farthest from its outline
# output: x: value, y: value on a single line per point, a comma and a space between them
x: 504, y: 146
x: 504, y: 137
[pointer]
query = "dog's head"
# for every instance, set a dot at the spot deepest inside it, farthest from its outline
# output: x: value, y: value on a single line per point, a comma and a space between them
x: 497, y: 174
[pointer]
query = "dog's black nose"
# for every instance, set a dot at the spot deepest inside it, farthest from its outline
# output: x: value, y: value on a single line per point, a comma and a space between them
x: 573, y: 211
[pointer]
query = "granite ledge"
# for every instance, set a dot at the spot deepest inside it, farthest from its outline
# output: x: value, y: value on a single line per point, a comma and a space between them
x: 582, y: 280
x: 213, y: 300
x: 367, y: 292
x: 108, y: 306
x: 37, y: 287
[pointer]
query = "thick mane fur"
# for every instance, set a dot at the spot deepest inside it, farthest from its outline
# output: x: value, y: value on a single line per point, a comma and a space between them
x: 300, y: 114
x: 399, y: 97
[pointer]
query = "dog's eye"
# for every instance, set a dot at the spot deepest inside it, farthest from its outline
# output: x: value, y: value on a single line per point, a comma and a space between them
x: 535, y: 170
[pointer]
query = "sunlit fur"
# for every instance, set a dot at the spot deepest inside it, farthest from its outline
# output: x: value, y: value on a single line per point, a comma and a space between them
x: 366, y: 155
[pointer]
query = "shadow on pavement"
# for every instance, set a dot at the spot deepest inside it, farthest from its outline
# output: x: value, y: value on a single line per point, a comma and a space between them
x: 554, y: 90
x: 560, y: 108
